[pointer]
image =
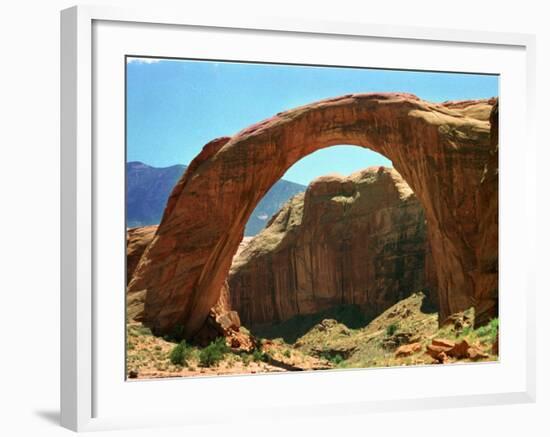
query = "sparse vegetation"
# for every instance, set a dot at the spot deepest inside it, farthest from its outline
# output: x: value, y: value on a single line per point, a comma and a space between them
x: 391, y: 329
x: 328, y: 344
x: 181, y: 354
x: 212, y: 354
x: 259, y: 355
x: 245, y: 358
x: 489, y: 331
x: 335, y: 359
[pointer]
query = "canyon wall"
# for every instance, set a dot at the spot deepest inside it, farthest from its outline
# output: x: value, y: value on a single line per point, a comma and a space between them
x: 347, y: 240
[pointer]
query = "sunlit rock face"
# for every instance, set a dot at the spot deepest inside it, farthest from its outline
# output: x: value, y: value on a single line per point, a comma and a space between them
x: 443, y: 151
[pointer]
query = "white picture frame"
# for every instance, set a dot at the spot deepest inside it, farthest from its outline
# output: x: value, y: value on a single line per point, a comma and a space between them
x: 85, y: 372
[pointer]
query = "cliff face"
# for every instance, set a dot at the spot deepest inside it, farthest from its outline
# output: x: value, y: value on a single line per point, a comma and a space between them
x: 137, y: 240
x: 357, y: 240
x: 441, y: 150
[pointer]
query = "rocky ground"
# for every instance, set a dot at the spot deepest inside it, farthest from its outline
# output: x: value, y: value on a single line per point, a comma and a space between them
x: 402, y: 335
x: 150, y: 357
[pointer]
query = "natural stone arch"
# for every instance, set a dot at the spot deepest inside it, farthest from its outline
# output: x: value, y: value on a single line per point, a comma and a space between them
x: 441, y: 150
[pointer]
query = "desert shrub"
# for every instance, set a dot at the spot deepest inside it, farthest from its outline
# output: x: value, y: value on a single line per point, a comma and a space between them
x: 181, y: 354
x: 287, y: 353
x: 245, y: 358
x: 332, y: 357
x: 213, y: 353
x: 489, y: 330
x: 391, y: 329
x: 258, y: 355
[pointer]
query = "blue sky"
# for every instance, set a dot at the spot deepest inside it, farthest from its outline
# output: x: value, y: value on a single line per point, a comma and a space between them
x: 174, y: 107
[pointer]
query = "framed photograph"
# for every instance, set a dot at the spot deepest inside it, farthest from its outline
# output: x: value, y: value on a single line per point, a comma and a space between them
x: 325, y: 212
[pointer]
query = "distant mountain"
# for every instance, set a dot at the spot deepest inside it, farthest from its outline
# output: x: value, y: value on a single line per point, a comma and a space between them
x: 148, y: 188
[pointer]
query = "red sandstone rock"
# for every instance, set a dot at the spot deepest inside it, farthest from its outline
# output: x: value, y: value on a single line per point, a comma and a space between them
x: 347, y: 240
x: 222, y: 321
x: 441, y: 342
x: 485, y: 272
x: 407, y: 349
x: 436, y: 351
x: 443, y: 153
x: 466, y: 350
x: 459, y: 350
x: 439, y: 349
x: 137, y: 239
x: 474, y: 354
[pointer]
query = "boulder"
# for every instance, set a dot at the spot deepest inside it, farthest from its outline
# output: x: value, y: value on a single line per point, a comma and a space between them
x: 439, y: 349
x: 441, y: 342
x: 407, y: 349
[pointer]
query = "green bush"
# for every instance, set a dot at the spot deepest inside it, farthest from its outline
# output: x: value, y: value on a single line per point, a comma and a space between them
x: 391, y: 329
x: 258, y: 355
x: 245, y: 359
x: 489, y: 330
x: 181, y: 354
x: 213, y: 353
x: 333, y: 358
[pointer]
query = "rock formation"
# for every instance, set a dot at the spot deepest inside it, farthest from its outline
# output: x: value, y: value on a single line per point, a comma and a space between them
x: 348, y: 240
x: 441, y: 150
x: 137, y: 239
x: 221, y: 320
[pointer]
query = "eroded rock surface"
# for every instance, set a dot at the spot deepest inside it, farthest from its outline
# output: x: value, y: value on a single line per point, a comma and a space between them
x: 441, y: 150
x: 347, y: 240
x: 137, y: 240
